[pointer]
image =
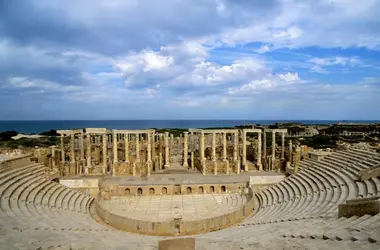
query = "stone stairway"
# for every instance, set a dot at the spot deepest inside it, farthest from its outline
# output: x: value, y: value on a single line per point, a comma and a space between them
x: 299, y: 212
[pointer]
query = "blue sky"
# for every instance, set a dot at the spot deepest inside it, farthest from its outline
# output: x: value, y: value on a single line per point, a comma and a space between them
x: 199, y: 59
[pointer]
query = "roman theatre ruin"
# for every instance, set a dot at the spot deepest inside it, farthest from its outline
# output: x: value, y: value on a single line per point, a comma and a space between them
x: 223, y: 188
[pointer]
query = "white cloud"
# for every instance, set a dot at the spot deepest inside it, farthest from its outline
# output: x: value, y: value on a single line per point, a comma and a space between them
x: 268, y: 83
x: 319, y: 63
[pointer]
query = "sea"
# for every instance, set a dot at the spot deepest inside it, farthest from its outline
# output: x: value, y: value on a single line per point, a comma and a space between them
x: 39, y: 126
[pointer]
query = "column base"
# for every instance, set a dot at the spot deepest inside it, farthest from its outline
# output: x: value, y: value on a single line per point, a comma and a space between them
x: 260, y: 166
x: 215, y: 167
x: 227, y: 166
x: 203, y: 164
x: 149, y: 165
x: 134, y: 169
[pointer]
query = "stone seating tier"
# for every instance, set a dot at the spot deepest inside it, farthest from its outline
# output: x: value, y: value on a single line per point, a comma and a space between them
x: 298, y: 212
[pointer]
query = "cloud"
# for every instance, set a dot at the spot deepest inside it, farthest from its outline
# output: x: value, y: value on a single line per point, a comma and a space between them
x: 237, y: 58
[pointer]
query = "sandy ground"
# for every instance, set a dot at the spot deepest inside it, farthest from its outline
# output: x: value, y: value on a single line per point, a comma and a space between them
x: 26, y: 136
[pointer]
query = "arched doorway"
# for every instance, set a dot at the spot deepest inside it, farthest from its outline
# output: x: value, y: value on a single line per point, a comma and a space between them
x: 200, y: 190
x: 212, y: 189
x: 223, y: 189
x: 139, y: 191
x: 164, y: 190
x: 189, y: 191
x: 127, y: 191
x: 151, y: 191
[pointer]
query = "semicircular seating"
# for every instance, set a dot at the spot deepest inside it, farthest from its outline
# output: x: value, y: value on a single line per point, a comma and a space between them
x: 300, y: 211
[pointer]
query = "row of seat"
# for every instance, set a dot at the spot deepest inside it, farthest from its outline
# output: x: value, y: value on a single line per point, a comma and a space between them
x: 314, y: 193
x: 300, y: 211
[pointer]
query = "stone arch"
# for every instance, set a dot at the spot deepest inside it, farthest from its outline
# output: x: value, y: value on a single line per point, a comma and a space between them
x: 151, y: 191
x: 223, y: 189
x: 212, y: 189
x: 164, y: 190
x: 189, y: 190
x: 127, y: 191
x: 201, y: 190
x: 139, y: 191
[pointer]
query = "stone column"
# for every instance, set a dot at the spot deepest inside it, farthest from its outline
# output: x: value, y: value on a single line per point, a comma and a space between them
x: 82, y: 147
x: 137, y: 147
x: 282, y: 146
x: 126, y: 147
x: 291, y: 152
x: 62, y: 150
x: 213, y: 147
x: 167, y: 153
x: 273, y: 149
x: 202, y: 152
x: 160, y: 142
x: 149, y: 154
x: 214, y: 153
x: 225, y: 153
x: 265, y: 150
x: 114, y: 140
x: 192, y: 139
x: 244, y: 138
x: 72, y: 147
x: 185, y: 149
x: 53, y: 157
x: 236, y: 148
x: 153, y: 148
x: 88, y: 156
x: 259, y: 164
x: 171, y: 145
x: 105, y: 142
x: 224, y: 146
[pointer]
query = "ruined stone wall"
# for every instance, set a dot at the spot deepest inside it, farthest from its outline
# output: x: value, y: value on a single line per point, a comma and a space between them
x: 177, y: 227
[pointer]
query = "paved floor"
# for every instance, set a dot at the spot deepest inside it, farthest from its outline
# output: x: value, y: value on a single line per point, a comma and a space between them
x: 168, y: 207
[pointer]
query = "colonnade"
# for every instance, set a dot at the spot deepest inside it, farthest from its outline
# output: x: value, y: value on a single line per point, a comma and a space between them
x: 155, y: 151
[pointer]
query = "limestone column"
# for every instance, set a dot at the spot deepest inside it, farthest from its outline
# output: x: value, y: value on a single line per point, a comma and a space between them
x: 160, y: 151
x: 171, y: 145
x: 105, y: 141
x: 213, y: 152
x: 224, y: 146
x: 72, y: 147
x: 192, y: 139
x: 153, y: 149
x: 137, y: 147
x: 244, y: 137
x: 62, y: 150
x: 126, y: 147
x: 282, y: 146
x: 213, y: 147
x: 202, y: 152
x: 265, y: 150
x: 82, y: 147
x: 88, y: 157
x: 291, y: 152
x: 53, y: 157
x: 167, y: 153
x: 114, y: 140
x: 149, y: 154
x: 273, y: 149
x: 259, y: 164
x: 236, y: 148
x: 185, y: 149
x: 224, y: 142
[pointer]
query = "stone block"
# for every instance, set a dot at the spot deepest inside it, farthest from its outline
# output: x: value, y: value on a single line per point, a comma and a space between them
x: 359, y: 208
x: 177, y: 244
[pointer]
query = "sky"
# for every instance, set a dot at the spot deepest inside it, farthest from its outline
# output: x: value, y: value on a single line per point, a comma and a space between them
x: 190, y: 59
